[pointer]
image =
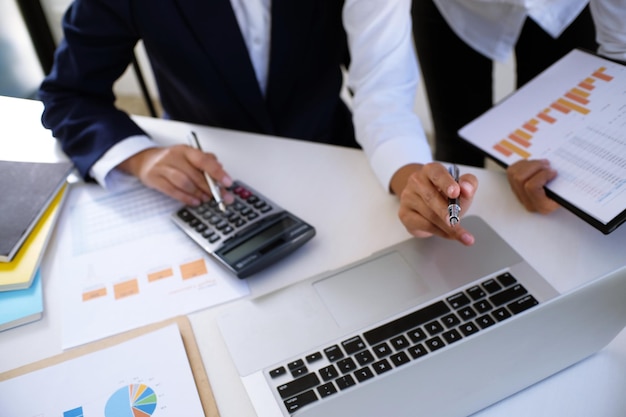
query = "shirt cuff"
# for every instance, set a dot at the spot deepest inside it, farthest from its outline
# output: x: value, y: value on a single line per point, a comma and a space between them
x: 393, y: 154
x: 104, y: 172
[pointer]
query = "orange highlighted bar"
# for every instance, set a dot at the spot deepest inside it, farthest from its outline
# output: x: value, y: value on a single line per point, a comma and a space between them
x: 560, y: 107
x: 576, y: 97
x: 193, y: 269
x: 545, y: 117
x: 587, y: 84
x: 519, y: 140
x: 601, y: 75
x: 531, y: 125
x: 573, y: 106
x: 580, y: 92
x: 515, y: 149
x: 126, y: 289
x: 498, y: 147
x: 522, y: 134
x: 165, y: 273
x: 93, y: 294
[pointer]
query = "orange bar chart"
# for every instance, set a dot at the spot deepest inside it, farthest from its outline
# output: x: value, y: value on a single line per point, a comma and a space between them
x: 575, y: 100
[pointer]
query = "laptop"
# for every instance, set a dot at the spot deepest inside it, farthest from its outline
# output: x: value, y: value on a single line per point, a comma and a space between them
x: 426, y: 326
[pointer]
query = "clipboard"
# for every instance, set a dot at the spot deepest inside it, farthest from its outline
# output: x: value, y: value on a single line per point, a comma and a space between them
x: 573, y: 114
x: 193, y: 355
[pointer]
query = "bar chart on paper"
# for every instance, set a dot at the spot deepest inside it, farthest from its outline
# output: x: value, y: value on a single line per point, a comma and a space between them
x: 126, y: 265
x: 573, y: 114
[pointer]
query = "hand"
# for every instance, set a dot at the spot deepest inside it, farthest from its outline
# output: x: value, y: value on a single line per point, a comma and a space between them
x: 424, y: 191
x: 527, y: 179
x: 178, y: 171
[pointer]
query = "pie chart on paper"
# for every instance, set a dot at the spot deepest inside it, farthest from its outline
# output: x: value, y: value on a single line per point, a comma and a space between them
x: 135, y: 400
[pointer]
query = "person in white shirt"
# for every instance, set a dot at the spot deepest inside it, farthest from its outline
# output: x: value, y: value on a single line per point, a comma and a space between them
x: 265, y: 66
x: 458, y: 41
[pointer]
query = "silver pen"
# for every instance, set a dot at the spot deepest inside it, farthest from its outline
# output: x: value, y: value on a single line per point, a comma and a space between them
x: 215, y: 190
x: 453, y: 203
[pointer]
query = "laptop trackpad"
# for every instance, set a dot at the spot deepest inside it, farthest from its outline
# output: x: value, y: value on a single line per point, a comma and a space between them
x: 377, y: 288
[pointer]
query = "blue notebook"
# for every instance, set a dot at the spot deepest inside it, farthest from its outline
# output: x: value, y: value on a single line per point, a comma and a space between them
x: 19, y: 307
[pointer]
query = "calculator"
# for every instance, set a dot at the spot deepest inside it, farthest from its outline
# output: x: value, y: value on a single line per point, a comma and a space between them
x: 252, y: 233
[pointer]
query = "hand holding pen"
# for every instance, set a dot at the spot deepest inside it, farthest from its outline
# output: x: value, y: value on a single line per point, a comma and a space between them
x: 431, y: 199
x: 215, y: 190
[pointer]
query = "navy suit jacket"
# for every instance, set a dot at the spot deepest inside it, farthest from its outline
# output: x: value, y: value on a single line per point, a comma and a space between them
x: 202, y: 70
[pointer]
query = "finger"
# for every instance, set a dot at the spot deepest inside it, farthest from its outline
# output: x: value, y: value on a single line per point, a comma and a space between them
x: 534, y: 190
x: 208, y: 162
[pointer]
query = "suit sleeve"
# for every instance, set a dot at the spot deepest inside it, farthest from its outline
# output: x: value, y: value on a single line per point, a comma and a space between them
x: 79, y: 103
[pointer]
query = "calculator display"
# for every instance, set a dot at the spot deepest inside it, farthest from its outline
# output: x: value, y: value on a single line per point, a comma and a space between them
x: 258, y: 241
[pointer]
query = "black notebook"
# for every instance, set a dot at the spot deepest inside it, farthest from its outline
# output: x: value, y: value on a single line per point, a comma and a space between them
x: 26, y: 190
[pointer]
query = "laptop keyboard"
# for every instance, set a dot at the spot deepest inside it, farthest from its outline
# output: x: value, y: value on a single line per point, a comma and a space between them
x: 339, y: 366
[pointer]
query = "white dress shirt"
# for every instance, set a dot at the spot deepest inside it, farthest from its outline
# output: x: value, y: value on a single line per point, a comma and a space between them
x: 492, y: 27
x: 383, y: 75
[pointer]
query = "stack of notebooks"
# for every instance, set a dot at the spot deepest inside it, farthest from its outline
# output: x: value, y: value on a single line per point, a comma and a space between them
x: 31, y: 197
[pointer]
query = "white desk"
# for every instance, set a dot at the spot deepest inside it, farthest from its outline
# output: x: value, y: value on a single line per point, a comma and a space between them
x: 334, y: 189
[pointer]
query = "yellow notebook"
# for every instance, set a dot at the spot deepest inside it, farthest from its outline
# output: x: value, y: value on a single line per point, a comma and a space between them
x: 19, y: 273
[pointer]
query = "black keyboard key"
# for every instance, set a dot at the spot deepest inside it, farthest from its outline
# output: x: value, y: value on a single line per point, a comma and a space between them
x: 295, y: 364
x: 345, y: 381
x: 381, y: 366
x: 434, y: 343
x: 399, y: 343
x: 433, y: 328
x: 363, y: 374
x: 458, y: 300
x: 506, y: 279
x: 364, y: 357
x: 278, y: 372
x: 328, y: 372
x: 491, y: 286
x: 405, y: 323
x: 326, y: 390
x: 485, y: 321
x: 451, y: 320
x: 295, y: 403
x: 467, y: 313
x: 417, y: 335
x: 399, y: 358
x: 501, y: 314
x: 299, y: 372
x: 482, y: 306
x: 417, y: 351
x: 522, y: 304
x: 353, y: 345
x: 313, y: 357
x: 451, y: 336
x: 333, y: 353
x: 346, y: 365
x: 468, y: 328
x: 510, y: 294
x: 381, y: 350
x: 298, y: 385
x: 476, y: 293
